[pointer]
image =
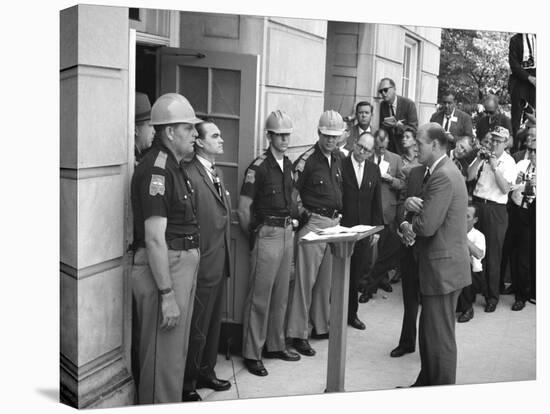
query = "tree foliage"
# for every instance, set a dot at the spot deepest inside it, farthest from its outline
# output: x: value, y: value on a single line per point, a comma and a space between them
x: 474, y: 63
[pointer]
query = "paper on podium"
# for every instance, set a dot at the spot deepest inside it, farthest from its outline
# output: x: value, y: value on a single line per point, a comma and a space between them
x: 336, y: 231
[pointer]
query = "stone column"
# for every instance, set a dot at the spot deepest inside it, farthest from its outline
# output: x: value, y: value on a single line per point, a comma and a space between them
x: 94, y: 180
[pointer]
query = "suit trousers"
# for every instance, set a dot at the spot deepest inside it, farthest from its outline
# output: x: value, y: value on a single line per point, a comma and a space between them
x: 162, y: 353
x: 493, y: 221
x: 358, y: 267
x: 522, y: 226
x: 204, y: 336
x: 467, y: 297
x: 436, y: 340
x: 266, y: 302
x: 310, y: 303
x: 411, y: 296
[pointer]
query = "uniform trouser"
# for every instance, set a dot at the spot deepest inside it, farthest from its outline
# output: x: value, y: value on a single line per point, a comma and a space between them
x: 204, y: 335
x: 467, y: 297
x: 436, y: 340
x: 358, y: 267
x: 310, y: 303
x: 521, y: 226
x: 411, y: 296
x: 266, y: 302
x: 162, y: 353
x: 493, y: 221
x: 521, y: 90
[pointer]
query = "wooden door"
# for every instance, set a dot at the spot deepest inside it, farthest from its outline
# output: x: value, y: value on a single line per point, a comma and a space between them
x: 223, y: 87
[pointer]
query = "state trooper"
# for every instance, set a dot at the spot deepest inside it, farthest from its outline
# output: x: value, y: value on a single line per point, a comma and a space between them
x: 166, y: 255
x: 143, y: 131
x: 318, y: 180
x: 265, y: 210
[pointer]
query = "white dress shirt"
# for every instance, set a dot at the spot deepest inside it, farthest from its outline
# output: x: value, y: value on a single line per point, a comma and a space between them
x: 359, y: 169
x: 487, y: 186
x: 478, y: 239
x: 207, y: 166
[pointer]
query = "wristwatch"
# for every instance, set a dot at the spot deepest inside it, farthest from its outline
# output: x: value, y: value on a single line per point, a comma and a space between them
x: 165, y: 291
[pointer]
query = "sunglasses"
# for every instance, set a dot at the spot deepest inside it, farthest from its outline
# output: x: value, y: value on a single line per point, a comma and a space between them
x: 384, y: 90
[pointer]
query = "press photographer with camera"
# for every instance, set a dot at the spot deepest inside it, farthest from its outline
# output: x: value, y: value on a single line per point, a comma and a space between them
x: 495, y: 170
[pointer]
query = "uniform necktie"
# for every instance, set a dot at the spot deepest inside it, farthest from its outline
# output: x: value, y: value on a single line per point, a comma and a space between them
x: 216, y: 180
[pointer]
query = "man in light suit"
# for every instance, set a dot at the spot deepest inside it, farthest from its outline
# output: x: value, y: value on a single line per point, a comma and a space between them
x: 454, y: 121
x: 362, y: 205
x: 363, y: 116
x: 396, y: 112
x: 213, y: 209
x: 392, y: 182
x: 443, y: 259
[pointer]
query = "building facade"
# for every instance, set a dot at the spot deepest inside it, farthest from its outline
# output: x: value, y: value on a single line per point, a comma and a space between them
x: 234, y: 69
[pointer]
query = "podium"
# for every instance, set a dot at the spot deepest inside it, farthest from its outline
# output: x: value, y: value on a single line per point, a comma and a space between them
x: 341, y: 246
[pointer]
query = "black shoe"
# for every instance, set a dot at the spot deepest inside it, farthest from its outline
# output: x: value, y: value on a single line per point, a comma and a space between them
x: 518, y: 305
x: 285, y: 355
x: 357, y: 324
x: 385, y: 286
x: 490, y: 307
x: 303, y: 347
x: 255, y: 367
x: 532, y: 301
x: 507, y: 290
x: 215, y: 384
x: 365, y: 297
x: 190, y: 396
x: 466, y: 315
x: 315, y: 335
x: 400, y: 351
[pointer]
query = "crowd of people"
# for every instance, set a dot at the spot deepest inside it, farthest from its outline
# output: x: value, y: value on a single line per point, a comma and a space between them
x: 457, y: 203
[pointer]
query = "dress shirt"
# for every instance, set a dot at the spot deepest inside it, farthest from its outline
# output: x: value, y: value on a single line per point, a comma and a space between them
x: 359, y: 169
x: 478, y: 239
x: 207, y: 166
x: 522, y: 166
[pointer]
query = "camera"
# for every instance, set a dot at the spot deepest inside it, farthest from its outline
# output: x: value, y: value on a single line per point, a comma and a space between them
x: 529, y: 63
x: 484, y: 153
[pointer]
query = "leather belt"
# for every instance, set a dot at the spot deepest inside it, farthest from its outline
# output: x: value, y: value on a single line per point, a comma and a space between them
x: 277, y: 221
x: 326, y: 212
x: 187, y: 242
x: 484, y: 201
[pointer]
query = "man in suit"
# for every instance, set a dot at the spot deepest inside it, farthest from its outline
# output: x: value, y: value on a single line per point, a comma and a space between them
x: 363, y: 116
x: 213, y: 208
x: 522, y: 82
x: 409, y: 268
x: 392, y: 182
x: 454, y: 121
x: 396, y: 112
x: 492, y: 119
x: 439, y: 226
x: 362, y: 205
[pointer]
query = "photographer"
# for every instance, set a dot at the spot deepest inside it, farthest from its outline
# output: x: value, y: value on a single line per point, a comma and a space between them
x: 495, y: 170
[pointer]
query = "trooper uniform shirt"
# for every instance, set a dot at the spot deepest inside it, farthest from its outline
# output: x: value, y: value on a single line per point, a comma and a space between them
x: 269, y: 188
x: 160, y: 188
x: 319, y: 184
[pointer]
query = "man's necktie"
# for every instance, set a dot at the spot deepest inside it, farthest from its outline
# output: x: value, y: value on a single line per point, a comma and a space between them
x: 392, y: 111
x: 447, y: 122
x: 216, y: 180
x: 426, y: 177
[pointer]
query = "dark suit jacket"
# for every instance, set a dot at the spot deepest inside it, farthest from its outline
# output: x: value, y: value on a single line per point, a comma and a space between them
x: 486, y: 124
x: 519, y: 155
x: 214, y: 217
x: 460, y: 128
x: 413, y: 188
x: 352, y: 137
x: 441, y: 241
x: 515, y: 57
x: 362, y: 205
x: 406, y: 111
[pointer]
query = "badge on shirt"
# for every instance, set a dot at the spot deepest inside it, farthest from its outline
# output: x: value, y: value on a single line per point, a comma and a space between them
x: 157, y: 185
x: 454, y: 119
x: 250, y: 176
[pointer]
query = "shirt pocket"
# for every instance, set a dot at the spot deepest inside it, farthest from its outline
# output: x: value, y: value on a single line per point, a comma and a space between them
x: 320, y: 184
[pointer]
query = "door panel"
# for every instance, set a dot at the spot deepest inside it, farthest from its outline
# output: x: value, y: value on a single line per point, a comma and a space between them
x: 223, y: 87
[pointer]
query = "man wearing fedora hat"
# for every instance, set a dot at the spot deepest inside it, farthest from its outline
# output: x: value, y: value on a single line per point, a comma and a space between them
x: 143, y: 130
x: 495, y: 170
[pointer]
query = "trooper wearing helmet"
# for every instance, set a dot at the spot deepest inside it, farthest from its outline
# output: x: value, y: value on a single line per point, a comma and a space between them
x: 265, y: 210
x: 166, y: 254
x: 143, y: 129
x: 318, y: 180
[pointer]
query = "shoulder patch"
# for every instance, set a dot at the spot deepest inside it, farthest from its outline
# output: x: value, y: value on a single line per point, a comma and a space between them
x: 258, y: 161
x: 250, y: 176
x: 303, y: 158
x: 161, y: 160
x: 157, y: 185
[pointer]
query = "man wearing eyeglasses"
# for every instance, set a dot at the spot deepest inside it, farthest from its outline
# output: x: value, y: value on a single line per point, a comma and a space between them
x: 362, y: 203
x: 495, y: 170
x: 396, y: 112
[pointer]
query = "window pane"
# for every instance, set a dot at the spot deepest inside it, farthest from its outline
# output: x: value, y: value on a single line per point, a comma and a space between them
x: 226, y: 92
x: 230, y: 134
x: 406, y: 88
x: 133, y: 13
x: 193, y: 84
